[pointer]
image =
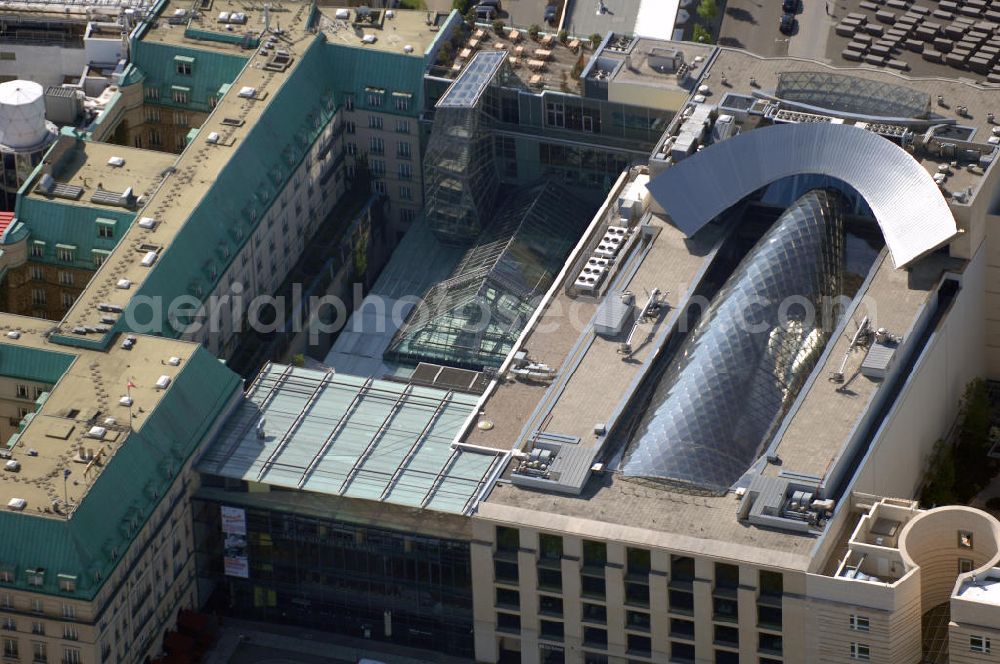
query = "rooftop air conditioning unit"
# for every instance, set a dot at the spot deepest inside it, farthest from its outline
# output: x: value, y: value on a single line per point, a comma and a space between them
x: 117, y: 162
x: 149, y: 259
x: 17, y: 504
x: 369, y: 39
x: 148, y: 223
x: 97, y: 433
x: 162, y: 382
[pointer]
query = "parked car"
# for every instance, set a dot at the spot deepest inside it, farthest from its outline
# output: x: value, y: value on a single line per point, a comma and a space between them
x: 486, y: 13
x: 787, y: 24
x: 550, y: 14
x: 790, y: 6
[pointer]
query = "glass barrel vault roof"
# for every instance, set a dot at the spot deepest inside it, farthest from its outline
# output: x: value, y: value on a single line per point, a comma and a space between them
x: 733, y: 378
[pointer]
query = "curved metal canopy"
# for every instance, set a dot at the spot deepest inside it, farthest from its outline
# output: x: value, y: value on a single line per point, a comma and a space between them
x: 908, y: 206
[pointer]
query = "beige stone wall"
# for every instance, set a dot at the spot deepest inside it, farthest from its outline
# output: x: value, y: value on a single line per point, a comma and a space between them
x: 531, y: 643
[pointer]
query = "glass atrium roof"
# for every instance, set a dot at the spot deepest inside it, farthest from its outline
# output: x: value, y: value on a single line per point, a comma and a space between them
x: 335, y: 434
x: 734, y: 377
x: 471, y: 83
x: 852, y: 94
x: 472, y: 319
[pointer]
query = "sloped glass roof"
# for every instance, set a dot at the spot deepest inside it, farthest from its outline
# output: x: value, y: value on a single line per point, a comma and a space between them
x: 852, y: 94
x: 336, y: 434
x: 473, y: 318
x: 735, y: 376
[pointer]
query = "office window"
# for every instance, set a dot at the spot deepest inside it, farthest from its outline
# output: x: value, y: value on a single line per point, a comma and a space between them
x: 407, y: 215
x: 37, y: 606
x: 9, y: 623
x: 964, y: 539
x: 378, y: 168
x: 152, y: 93
x: 69, y: 611
x: 861, y: 651
x: 549, y: 605
x: 595, y: 636
x: 405, y: 171
x: 402, y: 102
x: 66, y: 254
x: 65, y: 278
x: 352, y: 148
x: 10, y: 648
x: 405, y: 193
x: 70, y: 633
x: 72, y: 656
x: 595, y: 613
x: 508, y: 598
x: 37, y: 273
x: 105, y: 230
x: 67, y: 583
x: 551, y: 630
x: 38, y: 297
x: 350, y: 127
x: 183, y: 65
x: 152, y: 114
x: 155, y: 139
x: 38, y: 628
x: 377, y: 145
x: 508, y: 622
x: 374, y: 122
x: 595, y: 554
x: 39, y: 652
x: 22, y: 393
x: 402, y: 126
x: 375, y: 97
x: 979, y: 643
x: 378, y: 186
x: 860, y: 623
x: 180, y: 118
x: 37, y: 249
x: 964, y: 565
x: 99, y: 257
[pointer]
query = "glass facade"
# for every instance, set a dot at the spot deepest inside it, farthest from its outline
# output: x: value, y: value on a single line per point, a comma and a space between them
x: 734, y: 377
x: 852, y: 94
x: 361, y: 581
x: 473, y: 318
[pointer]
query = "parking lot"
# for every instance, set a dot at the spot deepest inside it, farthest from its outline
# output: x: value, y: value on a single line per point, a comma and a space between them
x: 753, y: 25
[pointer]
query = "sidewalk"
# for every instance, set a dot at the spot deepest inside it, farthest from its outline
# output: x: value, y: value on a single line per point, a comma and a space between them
x: 297, y: 644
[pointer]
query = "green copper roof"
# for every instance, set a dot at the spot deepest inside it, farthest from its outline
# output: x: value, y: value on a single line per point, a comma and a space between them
x: 225, y: 219
x: 54, y: 223
x: 209, y: 69
x: 134, y: 482
x: 42, y: 366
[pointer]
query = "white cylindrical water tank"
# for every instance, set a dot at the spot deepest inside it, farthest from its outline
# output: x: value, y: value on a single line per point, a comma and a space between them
x: 22, y: 114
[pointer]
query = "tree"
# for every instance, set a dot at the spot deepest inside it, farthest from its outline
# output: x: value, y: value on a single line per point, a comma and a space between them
x: 498, y: 27
x: 708, y: 10
x: 563, y: 35
x: 701, y: 35
x: 595, y: 39
x: 533, y: 31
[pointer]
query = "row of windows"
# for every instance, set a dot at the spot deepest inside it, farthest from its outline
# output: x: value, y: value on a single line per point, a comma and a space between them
x: 40, y: 298
x: 376, y: 99
x: 40, y: 654
x: 70, y: 632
